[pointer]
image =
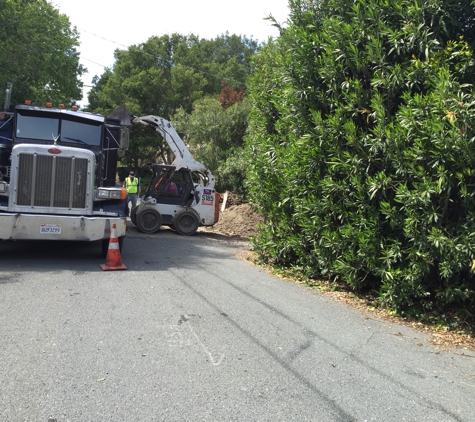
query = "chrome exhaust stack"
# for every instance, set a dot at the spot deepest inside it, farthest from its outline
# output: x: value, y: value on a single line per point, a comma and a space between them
x: 8, y: 96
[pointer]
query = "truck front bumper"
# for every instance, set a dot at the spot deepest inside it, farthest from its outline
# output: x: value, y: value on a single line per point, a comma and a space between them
x: 55, y: 227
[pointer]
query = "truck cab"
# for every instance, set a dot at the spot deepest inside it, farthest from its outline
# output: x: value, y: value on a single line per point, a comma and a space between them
x: 58, y: 175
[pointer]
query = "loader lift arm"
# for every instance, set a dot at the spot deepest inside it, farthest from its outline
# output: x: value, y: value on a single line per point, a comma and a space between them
x: 183, y: 157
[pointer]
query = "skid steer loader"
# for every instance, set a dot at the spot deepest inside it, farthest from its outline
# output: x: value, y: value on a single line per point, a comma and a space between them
x: 180, y: 195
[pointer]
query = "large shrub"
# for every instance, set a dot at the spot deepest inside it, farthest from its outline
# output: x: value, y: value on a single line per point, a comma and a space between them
x: 362, y: 129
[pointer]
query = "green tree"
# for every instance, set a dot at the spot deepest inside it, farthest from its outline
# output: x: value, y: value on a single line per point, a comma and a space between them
x: 38, y: 53
x: 362, y: 132
x: 97, y: 99
x: 215, y: 137
x: 172, y: 71
x: 165, y: 74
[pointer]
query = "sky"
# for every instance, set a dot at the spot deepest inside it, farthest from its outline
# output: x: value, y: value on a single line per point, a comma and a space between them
x: 106, y: 25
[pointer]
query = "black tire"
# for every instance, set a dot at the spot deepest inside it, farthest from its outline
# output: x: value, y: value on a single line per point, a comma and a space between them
x: 149, y: 220
x: 133, y: 215
x: 105, y: 246
x: 186, y: 223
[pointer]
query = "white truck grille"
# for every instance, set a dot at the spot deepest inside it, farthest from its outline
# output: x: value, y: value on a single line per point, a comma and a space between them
x: 52, y: 181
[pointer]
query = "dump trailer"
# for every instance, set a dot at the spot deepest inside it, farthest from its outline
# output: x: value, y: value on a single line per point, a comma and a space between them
x: 180, y: 195
x: 58, y: 174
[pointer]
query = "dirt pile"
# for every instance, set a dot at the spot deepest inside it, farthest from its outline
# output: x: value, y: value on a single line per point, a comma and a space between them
x: 237, y: 219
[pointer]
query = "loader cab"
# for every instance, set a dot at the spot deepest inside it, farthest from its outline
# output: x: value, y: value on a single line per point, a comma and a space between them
x: 171, y: 186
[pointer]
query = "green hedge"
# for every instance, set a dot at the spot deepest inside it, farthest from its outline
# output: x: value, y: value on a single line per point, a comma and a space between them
x: 362, y: 133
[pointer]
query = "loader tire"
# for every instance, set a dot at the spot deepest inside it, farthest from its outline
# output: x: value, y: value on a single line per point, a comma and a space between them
x: 133, y: 215
x: 186, y: 223
x: 148, y: 220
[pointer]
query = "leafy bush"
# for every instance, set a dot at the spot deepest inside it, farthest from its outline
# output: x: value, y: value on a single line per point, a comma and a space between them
x: 362, y: 135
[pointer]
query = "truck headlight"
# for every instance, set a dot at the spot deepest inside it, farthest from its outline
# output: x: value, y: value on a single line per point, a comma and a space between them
x: 115, y: 194
x: 3, y: 187
x: 103, y: 193
x: 110, y: 193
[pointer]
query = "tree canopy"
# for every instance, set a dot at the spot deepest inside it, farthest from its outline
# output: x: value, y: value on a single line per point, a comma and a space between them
x: 214, y: 131
x: 168, y: 73
x: 172, y: 71
x: 38, y: 53
x: 362, y: 133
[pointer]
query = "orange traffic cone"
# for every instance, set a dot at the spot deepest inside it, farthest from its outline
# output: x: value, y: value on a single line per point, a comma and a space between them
x: 113, y: 259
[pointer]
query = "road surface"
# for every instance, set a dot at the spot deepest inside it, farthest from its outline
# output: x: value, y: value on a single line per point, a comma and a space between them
x: 191, y: 333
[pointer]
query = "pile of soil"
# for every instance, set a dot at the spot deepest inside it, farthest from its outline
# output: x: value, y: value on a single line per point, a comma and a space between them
x: 238, y: 218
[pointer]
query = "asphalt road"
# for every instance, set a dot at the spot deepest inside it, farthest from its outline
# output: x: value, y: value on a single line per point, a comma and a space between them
x: 191, y: 333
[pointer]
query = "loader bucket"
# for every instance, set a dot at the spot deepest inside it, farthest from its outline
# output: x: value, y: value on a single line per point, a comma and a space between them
x: 122, y: 114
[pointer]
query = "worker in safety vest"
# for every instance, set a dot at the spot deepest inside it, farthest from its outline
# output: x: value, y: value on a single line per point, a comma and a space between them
x: 132, y: 184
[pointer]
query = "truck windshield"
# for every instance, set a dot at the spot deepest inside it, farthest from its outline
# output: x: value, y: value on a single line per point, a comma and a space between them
x: 48, y: 128
x: 80, y: 133
x: 41, y: 128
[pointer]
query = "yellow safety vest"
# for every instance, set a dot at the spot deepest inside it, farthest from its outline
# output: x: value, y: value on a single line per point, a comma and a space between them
x: 132, y: 186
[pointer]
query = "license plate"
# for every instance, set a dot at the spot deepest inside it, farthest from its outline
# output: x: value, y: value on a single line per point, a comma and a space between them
x: 50, y: 229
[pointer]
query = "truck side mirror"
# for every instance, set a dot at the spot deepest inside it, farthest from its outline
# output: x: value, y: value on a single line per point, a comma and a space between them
x: 124, y: 138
